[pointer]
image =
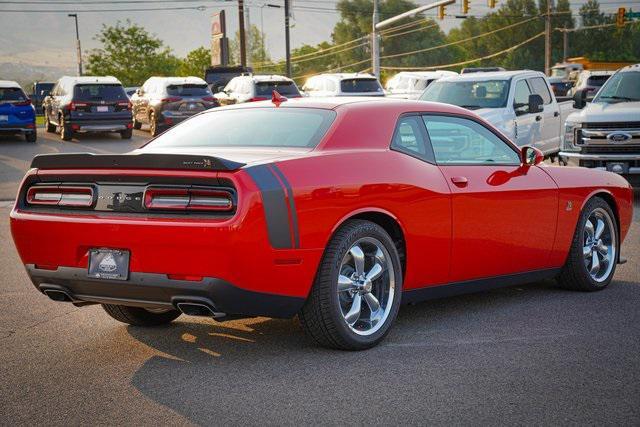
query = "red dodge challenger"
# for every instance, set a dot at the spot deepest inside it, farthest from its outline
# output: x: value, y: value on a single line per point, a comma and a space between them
x: 335, y: 210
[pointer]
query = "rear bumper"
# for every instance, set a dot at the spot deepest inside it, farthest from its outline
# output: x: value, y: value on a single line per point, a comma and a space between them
x: 24, y: 126
x: 100, y: 125
x: 158, y: 291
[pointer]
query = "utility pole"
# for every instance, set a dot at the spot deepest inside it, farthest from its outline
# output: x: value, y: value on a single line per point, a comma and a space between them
x: 79, y: 51
x: 243, y: 47
x: 287, y: 38
x: 565, y: 44
x: 547, y: 40
x: 375, y: 42
x: 247, y: 20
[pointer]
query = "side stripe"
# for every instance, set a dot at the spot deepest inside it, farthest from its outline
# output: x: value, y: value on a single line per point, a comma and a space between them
x: 276, y: 212
x: 292, y: 206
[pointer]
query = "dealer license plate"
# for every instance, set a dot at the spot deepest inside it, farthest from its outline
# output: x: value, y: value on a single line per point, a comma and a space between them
x: 102, y: 109
x: 110, y: 264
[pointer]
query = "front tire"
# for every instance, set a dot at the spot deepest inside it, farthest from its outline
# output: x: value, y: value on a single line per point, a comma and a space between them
x: 66, y: 134
x: 48, y: 126
x: 154, y: 127
x: 593, y: 256
x: 357, y: 290
x: 136, y: 124
x: 137, y: 316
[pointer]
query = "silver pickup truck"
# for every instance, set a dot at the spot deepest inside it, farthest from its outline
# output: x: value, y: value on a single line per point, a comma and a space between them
x: 605, y: 134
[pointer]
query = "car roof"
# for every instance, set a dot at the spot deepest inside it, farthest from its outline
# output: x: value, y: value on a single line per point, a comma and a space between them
x: 598, y: 72
x: 628, y: 68
x: 179, y: 80
x: 9, y: 84
x: 269, y: 78
x: 344, y: 76
x: 74, y: 80
x: 492, y: 75
x: 427, y: 74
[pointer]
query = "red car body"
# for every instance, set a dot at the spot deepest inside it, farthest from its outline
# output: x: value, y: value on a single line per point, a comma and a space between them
x: 460, y: 227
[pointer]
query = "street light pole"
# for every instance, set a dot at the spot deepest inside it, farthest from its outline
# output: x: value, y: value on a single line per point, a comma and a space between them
x: 287, y: 39
x: 375, y: 42
x: 243, y: 47
x: 79, y: 50
x: 547, y: 40
x: 247, y: 22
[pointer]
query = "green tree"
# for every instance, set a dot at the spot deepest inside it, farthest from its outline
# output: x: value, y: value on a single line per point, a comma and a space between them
x: 195, y: 63
x: 257, y: 45
x: 131, y: 54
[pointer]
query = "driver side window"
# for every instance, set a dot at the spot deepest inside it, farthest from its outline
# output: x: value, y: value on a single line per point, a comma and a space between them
x: 521, y: 97
x: 456, y: 140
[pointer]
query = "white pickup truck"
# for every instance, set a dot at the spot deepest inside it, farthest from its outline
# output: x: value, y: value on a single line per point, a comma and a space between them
x: 605, y: 133
x: 521, y: 104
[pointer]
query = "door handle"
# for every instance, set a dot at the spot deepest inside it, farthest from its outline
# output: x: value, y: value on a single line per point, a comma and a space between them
x: 459, y: 181
x: 538, y: 118
x: 556, y: 114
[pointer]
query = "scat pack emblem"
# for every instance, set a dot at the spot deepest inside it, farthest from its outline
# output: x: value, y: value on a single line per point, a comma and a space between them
x: 205, y: 164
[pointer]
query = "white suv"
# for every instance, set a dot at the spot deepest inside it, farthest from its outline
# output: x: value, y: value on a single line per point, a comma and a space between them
x: 343, y: 84
x: 411, y: 84
x: 250, y: 87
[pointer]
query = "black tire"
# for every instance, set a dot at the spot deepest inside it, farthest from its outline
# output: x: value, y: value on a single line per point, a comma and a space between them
x: 48, y: 126
x: 66, y: 134
x: 322, y: 317
x: 31, y: 136
x: 138, y: 316
x: 154, y: 127
x: 126, y: 134
x: 575, y: 273
x: 136, y: 124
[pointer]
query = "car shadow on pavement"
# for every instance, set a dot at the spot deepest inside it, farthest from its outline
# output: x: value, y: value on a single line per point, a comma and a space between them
x: 245, y: 370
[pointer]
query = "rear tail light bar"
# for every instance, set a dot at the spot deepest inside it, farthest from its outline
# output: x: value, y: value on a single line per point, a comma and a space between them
x: 74, y: 106
x: 188, y: 199
x: 59, y: 195
x: 171, y: 99
x: 22, y: 103
x: 125, y: 104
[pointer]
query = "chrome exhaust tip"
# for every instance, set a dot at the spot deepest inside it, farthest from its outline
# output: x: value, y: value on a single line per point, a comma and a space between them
x: 198, y: 309
x: 57, y: 295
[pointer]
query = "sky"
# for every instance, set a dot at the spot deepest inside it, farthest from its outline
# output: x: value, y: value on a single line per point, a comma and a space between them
x: 48, y: 38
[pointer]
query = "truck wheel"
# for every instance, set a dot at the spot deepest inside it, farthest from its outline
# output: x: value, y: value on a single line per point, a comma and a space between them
x: 356, y: 294
x: 153, y: 125
x: 66, y: 134
x: 593, y: 256
x: 136, y: 124
x: 126, y: 134
x: 48, y: 126
x: 137, y: 316
x: 31, y: 136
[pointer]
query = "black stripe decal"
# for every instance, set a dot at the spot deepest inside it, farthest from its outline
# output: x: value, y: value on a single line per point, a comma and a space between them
x: 275, y: 207
x: 292, y: 206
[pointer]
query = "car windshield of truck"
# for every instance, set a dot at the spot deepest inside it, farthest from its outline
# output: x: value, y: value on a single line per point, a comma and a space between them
x: 621, y: 87
x: 360, y: 85
x: 9, y: 94
x: 558, y: 72
x: 597, y: 80
x: 283, y: 88
x: 99, y: 92
x: 188, y: 90
x: 269, y: 127
x: 469, y: 94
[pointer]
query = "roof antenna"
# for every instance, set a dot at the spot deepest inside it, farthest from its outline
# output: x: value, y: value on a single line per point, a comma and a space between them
x: 276, y: 98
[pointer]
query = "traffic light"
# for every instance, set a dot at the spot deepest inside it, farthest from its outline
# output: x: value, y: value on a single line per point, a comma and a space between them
x: 492, y: 3
x: 620, y: 17
x: 465, y: 6
x: 441, y: 10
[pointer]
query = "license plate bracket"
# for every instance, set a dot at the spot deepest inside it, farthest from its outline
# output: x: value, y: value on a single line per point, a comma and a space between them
x: 108, y: 264
x: 618, y: 167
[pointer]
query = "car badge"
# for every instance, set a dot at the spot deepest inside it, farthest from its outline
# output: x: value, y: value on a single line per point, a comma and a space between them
x: 108, y: 264
x: 569, y: 205
x: 619, y: 137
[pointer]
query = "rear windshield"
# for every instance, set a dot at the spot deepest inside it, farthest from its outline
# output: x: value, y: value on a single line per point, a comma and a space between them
x: 269, y: 127
x: 597, y: 80
x: 360, y: 85
x: 99, y: 92
x: 469, y: 94
x: 283, y: 88
x: 12, y: 94
x: 188, y: 90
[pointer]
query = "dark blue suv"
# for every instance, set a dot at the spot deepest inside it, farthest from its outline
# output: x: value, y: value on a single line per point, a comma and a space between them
x: 17, y: 115
x: 88, y: 104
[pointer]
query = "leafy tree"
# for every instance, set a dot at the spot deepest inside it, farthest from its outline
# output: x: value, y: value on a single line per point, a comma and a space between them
x: 195, y: 63
x: 257, y: 46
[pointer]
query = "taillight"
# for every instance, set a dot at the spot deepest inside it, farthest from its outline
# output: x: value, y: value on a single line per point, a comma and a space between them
x: 171, y: 99
x: 209, y: 99
x: 125, y: 104
x: 74, y: 106
x: 22, y: 103
x: 188, y: 199
x: 257, y: 98
x: 79, y: 197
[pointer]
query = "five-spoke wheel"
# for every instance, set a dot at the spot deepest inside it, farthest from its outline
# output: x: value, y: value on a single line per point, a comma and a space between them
x: 599, y: 248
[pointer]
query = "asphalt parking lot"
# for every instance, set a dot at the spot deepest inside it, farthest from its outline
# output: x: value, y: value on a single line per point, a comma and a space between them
x: 524, y: 355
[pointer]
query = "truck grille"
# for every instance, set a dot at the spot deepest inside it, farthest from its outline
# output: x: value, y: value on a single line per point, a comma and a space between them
x: 610, y: 138
x: 612, y: 125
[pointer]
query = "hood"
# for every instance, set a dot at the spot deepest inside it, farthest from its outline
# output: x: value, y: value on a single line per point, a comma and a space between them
x: 246, y: 155
x: 601, y: 112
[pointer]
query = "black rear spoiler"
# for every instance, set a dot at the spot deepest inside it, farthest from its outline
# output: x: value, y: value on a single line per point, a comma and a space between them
x: 133, y: 161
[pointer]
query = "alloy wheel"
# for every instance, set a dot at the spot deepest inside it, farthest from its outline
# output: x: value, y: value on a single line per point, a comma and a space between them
x: 599, y: 248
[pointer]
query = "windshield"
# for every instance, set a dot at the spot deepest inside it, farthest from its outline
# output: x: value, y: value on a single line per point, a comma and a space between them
x: 283, y: 88
x: 558, y: 72
x: 188, y: 90
x: 360, y: 85
x: 12, y: 94
x: 621, y: 87
x: 469, y: 94
x: 99, y: 92
x: 597, y: 80
x: 270, y: 127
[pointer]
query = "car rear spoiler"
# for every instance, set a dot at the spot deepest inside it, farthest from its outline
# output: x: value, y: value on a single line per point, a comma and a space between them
x: 133, y: 161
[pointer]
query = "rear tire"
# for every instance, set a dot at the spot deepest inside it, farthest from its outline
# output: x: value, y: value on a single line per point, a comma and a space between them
x: 154, y: 128
x: 31, y: 136
x: 48, y: 126
x: 126, y: 134
x: 66, y: 134
x: 137, y: 316
x: 593, y: 255
x: 331, y: 315
x: 136, y: 124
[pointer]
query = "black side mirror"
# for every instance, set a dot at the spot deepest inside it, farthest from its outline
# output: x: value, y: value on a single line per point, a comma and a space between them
x: 580, y: 99
x: 535, y: 103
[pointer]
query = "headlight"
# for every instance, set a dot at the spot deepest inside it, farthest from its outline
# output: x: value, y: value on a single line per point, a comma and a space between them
x: 569, y: 137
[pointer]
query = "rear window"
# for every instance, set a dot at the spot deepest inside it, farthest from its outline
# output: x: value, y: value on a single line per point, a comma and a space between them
x: 597, y: 80
x: 99, y: 92
x: 188, y: 90
x: 12, y: 94
x: 360, y: 85
x: 283, y: 88
x: 255, y: 127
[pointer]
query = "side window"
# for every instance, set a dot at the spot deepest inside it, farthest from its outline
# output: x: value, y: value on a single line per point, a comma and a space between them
x: 409, y: 137
x: 521, y: 97
x: 456, y: 140
x: 55, y: 90
x: 539, y: 87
